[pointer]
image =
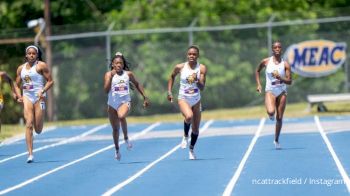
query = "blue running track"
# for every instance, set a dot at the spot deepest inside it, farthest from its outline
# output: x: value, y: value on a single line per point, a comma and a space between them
x: 234, y: 157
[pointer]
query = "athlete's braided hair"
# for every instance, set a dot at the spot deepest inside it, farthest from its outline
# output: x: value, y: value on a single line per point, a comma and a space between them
x: 125, y: 62
x: 126, y: 65
x: 276, y: 41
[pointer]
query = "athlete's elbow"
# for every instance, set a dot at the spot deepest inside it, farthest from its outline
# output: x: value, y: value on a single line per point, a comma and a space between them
x: 105, y: 89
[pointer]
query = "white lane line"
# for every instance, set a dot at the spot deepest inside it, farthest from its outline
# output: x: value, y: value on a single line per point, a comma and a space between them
x: 334, y: 155
x: 2, y: 192
x: 229, y: 188
x: 21, y: 137
x: 132, y: 178
x: 91, y: 131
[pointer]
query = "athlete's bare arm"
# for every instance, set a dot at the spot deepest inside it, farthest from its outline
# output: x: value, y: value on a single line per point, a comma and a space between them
x: 44, y: 69
x: 171, y: 80
x: 139, y: 87
x: 18, y: 82
x: 261, y: 66
x: 202, y: 77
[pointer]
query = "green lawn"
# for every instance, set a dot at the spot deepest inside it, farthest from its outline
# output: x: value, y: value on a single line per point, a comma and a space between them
x: 292, y: 110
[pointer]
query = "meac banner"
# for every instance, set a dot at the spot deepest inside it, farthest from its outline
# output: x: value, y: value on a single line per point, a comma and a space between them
x: 316, y: 58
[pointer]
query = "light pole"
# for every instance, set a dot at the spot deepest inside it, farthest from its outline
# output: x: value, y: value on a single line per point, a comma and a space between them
x: 51, y: 109
x: 39, y: 26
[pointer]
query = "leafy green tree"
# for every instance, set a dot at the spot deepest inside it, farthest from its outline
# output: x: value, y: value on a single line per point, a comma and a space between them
x: 231, y: 55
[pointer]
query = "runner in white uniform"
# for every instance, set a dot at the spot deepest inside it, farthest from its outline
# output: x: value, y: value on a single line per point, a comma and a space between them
x: 35, y: 78
x: 274, y: 85
x: 32, y: 82
x: 189, y: 90
x: 119, y: 92
x: 116, y: 84
x: 192, y: 81
x: 278, y: 76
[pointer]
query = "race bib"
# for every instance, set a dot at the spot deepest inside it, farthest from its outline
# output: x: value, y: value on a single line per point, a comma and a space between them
x: 28, y: 86
x: 191, y: 91
x: 121, y: 89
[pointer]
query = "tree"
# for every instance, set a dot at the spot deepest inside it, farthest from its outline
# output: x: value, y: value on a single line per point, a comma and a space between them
x: 231, y: 55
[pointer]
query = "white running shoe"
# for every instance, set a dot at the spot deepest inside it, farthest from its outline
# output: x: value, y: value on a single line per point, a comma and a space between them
x: 184, y: 142
x: 128, y: 144
x: 272, y: 118
x: 118, y: 155
x: 277, y: 145
x: 192, y: 156
x: 30, y: 159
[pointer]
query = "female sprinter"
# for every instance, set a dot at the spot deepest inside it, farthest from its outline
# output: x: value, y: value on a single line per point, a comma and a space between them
x: 192, y: 81
x: 116, y: 84
x: 35, y: 79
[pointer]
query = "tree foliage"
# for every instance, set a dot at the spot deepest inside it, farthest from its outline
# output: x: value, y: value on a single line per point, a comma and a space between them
x: 231, y: 55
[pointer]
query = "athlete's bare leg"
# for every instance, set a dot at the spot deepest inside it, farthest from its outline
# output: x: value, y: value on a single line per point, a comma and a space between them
x: 29, y: 120
x: 115, y: 123
x: 281, y: 105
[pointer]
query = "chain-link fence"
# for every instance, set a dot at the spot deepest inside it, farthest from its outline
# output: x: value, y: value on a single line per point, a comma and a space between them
x: 231, y: 53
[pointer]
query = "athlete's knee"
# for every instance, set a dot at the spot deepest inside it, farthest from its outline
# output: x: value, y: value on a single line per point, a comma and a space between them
x: 116, y: 126
x: 38, y: 127
x: 195, y: 128
x: 29, y: 125
x: 122, y: 119
x: 270, y: 112
x: 188, y: 118
x: 38, y: 131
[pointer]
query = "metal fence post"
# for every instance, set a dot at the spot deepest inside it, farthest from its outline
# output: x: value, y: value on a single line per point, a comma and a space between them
x: 108, y: 43
x: 269, y: 33
x: 190, y: 32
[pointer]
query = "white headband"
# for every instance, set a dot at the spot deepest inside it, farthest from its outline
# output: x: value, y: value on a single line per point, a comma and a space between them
x: 32, y: 46
x: 118, y: 54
